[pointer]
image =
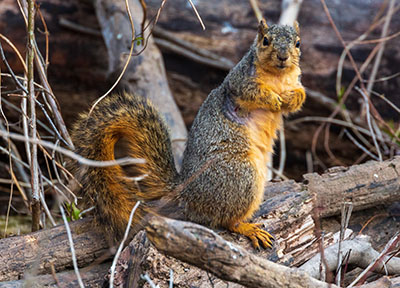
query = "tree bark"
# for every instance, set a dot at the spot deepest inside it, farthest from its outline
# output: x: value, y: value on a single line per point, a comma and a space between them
x: 202, y: 247
x: 365, y: 185
x: 35, y: 253
x: 92, y: 276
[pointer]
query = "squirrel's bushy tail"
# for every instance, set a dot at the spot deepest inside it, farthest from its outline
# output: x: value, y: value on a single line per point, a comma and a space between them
x: 134, y: 124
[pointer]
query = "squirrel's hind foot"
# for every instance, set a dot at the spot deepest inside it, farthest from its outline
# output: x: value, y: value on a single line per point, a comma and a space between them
x: 254, y: 232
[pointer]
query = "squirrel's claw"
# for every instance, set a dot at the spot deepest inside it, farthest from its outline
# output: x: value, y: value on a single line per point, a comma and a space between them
x: 255, y: 234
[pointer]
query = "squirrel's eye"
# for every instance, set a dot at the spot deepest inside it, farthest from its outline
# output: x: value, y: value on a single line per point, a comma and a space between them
x: 298, y: 44
x: 265, y: 41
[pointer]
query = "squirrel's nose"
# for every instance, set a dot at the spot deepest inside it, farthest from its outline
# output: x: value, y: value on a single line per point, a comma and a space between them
x: 282, y: 58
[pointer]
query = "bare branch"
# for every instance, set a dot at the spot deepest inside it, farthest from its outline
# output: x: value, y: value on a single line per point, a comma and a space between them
x: 71, y: 246
x: 224, y: 259
x: 112, y: 269
x: 362, y: 254
x: 197, y: 14
x: 34, y: 166
x: 69, y: 153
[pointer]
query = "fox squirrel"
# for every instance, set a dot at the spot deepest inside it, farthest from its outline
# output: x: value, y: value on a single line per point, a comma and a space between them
x: 221, y: 183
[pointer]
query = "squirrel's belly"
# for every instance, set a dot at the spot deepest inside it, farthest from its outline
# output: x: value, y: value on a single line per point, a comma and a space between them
x: 262, y: 129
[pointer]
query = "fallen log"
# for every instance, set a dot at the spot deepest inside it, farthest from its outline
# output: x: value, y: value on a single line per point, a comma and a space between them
x: 286, y: 213
x: 367, y: 185
x: 37, y: 252
x: 92, y: 276
x: 202, y: 247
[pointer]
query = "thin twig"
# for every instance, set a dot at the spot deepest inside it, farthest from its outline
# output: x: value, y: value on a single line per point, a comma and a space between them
x: 328, y: 149
x: 9, y: 181
x: 71, y: 246
x: 69, y: 153
x: 12, y: 106
x: 353, y: 43
x: 370, y: 220
x: 386, y: 100
x: 347, y: 92
x: 46, y: 33
x: 48, y: 181
x: 359, y: 145
x: 381, y: 49
x: 147, y: 278
x: 367, y: 106
x: 52, y: 101
x: 282, y: 153
x: 377, y: 63
x: 158, y: 13
x: 383, y: 79
x: 38, y: 86
x: 144, y: 10
x: 256, y: 10
x: 24, y: 109
x: 166, y: 45
x: 15, y: 50
x: 77, y: 27
x: 128, y: 60
x: 389, y: 247
x: 354, y: 65
x: 53, y: 273
x: 44, y: 204
x: 34, y: 166
x: 13, y: 76
x: 339, y: 106
x: 49, y: 92
x: 50, y: 121
x: 151, y: 23
x: 273, y: 170
x: 14, y: 149
x: 346, y: 213
x: 8, y: 210
x: 327, y: 119
x: 53, y: 161
x: 382, y: 39
x: 121, y: 246
x: 171, y: 278
x: 197, y: 14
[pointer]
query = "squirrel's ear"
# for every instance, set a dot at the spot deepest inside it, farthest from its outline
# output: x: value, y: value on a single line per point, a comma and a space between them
x: 262, y: 28
x: 296, y: 26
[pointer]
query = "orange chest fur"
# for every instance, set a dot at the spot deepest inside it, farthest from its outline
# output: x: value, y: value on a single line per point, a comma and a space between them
x: 279, y: 82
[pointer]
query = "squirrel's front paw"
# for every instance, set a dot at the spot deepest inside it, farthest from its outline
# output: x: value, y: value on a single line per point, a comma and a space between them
x: 293, y: 99
x: 273, y: 101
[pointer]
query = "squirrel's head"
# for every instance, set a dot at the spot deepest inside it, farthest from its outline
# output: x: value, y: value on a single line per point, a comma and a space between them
x: 278, y: 46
